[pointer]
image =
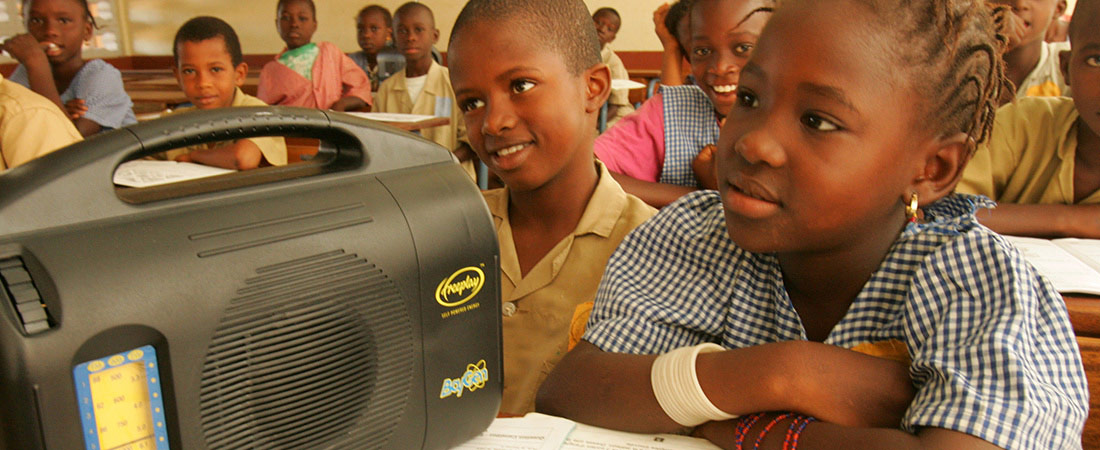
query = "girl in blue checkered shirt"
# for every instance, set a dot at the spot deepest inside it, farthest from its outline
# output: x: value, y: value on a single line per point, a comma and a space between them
x: 834, y: 292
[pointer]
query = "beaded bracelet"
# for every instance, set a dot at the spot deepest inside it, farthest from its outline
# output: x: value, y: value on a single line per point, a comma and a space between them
x: 768, y: 428
x: 795, y: 431
x: 743, y: 429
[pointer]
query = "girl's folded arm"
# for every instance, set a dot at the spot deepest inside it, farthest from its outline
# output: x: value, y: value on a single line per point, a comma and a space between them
x: 614, y: 390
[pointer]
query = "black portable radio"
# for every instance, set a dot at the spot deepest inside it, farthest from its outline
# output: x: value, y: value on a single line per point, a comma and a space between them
x: 352, y: 301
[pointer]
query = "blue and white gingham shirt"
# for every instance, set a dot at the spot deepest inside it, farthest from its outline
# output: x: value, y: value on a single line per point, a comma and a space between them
x: 993, y: 354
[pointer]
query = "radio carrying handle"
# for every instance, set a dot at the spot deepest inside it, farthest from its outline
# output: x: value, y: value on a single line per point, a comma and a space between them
x: 75, y: 183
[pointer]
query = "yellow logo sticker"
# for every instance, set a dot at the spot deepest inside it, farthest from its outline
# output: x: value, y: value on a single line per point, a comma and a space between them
x: 460, y: 287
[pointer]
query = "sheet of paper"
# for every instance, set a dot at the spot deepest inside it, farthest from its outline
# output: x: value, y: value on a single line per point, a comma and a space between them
x: 1064, y: 270
x: 145, y: 173
x: 392, y: 117
x: 531, y: 432
x: 619, y: 83
x: 1087, y: 250
x: 585, y: 437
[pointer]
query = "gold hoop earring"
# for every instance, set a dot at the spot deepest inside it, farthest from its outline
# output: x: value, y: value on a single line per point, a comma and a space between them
x: 912, y: 208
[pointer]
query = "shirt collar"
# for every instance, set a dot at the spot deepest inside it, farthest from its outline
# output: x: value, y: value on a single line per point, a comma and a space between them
x: 600, y: 214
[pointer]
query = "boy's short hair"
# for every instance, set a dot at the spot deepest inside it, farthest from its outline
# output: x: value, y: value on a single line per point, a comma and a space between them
x: 608, y: 10
x: 1084, y: 8
x: 377, y: 9
x: 207, y: 27
x: 312, y: 7
x: 409, y: 6
x: 563, y: 25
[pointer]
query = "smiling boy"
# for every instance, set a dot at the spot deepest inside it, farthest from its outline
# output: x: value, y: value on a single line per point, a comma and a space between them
x: 425, y: 86
x: 210, y: 69
x: 529, y: 79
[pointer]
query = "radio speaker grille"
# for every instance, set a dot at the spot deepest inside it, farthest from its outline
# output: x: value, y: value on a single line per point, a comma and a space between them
x: 312, y: 353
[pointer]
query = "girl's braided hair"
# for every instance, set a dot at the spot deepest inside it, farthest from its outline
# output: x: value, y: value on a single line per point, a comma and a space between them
x: 950, y: 51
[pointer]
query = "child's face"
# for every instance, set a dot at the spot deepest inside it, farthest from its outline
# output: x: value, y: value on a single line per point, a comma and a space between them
x: 416, y: 34
x: 724, y: 34
x: 528, y: 118
x: 607, y: 27
x: 818, y: 152
x: 61, y: 22
x: 372, y: 32
x: 1084, y: 70
x: 296, y: 24
x: 206, y: 73
x: 1036, y: 15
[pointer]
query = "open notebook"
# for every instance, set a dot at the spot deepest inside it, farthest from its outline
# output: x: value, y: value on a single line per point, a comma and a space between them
x: 1072, y: 265
x: 542, y: 432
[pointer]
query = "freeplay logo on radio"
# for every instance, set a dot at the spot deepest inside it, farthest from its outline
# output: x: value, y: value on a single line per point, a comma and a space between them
x: 456, y: 290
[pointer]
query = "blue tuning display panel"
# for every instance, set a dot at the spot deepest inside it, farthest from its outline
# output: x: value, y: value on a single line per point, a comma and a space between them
x: 121, y: 403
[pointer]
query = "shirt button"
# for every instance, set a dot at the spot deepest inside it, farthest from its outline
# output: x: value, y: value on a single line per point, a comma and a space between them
x: 508, y: 309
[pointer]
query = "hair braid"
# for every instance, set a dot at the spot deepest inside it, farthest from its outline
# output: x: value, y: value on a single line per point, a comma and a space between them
x: 950, y: 52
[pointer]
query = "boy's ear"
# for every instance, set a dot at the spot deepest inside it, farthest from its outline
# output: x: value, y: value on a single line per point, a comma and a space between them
x: 240, y: 72
x: 597, y: 81
x: 435, y: 35
x: 1060, y: 9
x: 942, y: 168
x: 1063, y: 64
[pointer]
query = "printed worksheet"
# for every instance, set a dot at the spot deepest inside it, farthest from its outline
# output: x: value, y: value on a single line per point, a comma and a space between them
x: 144, y: 173
x: 531, y: 432
x: 585, y: 437
x: 542, y: 432
x: 1072, y: 265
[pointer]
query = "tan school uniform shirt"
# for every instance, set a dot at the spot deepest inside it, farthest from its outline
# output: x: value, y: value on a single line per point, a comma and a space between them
x: 30, y: 125
x: 1030, y: 154
x: 537, y: 308
x: 436, y: 99
x: 273, y: 147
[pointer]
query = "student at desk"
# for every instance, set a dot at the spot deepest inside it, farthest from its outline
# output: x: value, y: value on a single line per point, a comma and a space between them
x: 210, y: 69
x: 665, y: 149
x: 424, y: 87
x: 530, y: 81
x: 1042, y: 162
x: 835, y: 293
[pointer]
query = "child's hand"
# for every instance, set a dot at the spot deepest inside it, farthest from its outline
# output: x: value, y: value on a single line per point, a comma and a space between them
x: 26, y: 48
x: 663, y: 33
x: 705, y: 170
x: 76, y: 108
x: 186, y: 157
x: 465, y: 153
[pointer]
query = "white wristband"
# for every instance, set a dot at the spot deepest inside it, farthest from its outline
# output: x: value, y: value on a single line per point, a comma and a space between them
x: 676, y: 386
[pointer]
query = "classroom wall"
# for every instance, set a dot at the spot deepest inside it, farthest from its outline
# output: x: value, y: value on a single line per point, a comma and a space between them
x: 153, y: 23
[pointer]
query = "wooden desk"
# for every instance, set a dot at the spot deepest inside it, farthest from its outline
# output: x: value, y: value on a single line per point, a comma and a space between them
x: 420, y: 125
x: 1084, y: 314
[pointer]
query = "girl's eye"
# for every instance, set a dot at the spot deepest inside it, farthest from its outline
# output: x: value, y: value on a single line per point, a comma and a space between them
x: 35, y: 21
x: 471, y: 104
x: 747, y: 99
x: 701, y: 52
x: 521, y: 86
x: 216, y: 69
x: 818, y: 123
x: 1093, y: 61
x: 743, y: 49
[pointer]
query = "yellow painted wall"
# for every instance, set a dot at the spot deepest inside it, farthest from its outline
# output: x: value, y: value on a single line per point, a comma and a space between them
x: 153, y: 23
